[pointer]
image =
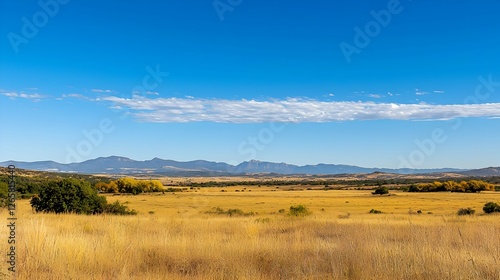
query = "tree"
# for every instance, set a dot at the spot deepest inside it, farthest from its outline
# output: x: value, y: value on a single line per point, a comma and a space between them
x: 381, y: 190
x: 69, y: 196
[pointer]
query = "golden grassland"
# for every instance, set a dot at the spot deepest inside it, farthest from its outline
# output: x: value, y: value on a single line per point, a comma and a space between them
x: 173, y: 238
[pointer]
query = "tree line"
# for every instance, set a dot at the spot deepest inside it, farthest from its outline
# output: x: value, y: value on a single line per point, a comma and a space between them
x: 471, y: 186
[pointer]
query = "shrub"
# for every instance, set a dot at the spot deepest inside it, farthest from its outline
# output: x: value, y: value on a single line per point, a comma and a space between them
x: 117, y: 208
x: 373, y: 211
x: 229, y: 212
x: 466, y: 211
x: 299, y: 210
x: 491, y: 207
x: 381, y: 190
x: 346, y: 216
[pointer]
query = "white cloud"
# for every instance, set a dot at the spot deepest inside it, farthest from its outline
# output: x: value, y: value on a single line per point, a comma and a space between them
x: 101, y: 90
x: 390, y: 93
x: 76, y: 95
x: 438, y: 91
x: 11, y: 94
x: 375, y: 95
x: 290, y: 110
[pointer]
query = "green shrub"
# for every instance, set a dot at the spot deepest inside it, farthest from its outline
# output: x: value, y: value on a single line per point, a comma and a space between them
x: 491, y: 207
x: 117, y: 208
x: 381, y: 190
x: 466, y: 211
x: 299, y: 211
x: 373, y: 211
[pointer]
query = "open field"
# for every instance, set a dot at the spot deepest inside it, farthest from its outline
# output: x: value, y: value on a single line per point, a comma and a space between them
x: 339, y: 240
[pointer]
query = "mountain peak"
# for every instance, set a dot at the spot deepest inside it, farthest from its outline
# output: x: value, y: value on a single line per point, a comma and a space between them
x: 111, y: 158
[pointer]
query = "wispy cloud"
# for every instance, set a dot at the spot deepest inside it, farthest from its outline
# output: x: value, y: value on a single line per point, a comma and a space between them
x: 290, y: 110
x: 13, y: 95
x: 102, y: 90
x: 438, y: 91
x: 76, y: 95
x: 375, y: 95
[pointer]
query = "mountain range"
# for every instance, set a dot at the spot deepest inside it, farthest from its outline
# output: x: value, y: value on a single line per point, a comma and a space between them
x: 124, y: 165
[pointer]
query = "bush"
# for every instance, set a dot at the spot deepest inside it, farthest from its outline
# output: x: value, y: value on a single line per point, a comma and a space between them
x: 381, y: 190
x: 466, y: 211
x: 229, y: 212
x: 117, y: 208
x: 491, y: 207
x: 299, y: 210
x: 373, y: 211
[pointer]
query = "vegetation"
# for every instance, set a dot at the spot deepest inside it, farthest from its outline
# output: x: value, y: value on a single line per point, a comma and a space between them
x: 68, y: 196
x: 373, y: 211
x: 179, y: 242
x: 491, y: 207
x: 130, y: 185
x: 229, y: 212
x: 381, y: 190
x: 299, y: 211
x: 4, y: 192
x: 471, y: 186
x: 117, y: 208
x: 74, y: 196
x: 466, y: 211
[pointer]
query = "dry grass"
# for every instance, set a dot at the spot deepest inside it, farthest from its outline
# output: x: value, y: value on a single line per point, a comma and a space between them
x: 179, y: 241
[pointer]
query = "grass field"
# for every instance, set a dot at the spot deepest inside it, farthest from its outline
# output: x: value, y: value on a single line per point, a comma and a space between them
x: 173, y: 237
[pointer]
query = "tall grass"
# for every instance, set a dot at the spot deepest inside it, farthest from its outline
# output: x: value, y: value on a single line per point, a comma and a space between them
x: 180, y: 241
x: 105, y: 247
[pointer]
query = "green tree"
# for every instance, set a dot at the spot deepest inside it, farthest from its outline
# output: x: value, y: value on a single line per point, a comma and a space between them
x: 69, y: 196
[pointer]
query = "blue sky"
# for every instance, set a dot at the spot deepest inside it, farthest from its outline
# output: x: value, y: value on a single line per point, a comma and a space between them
x: 369, y: 83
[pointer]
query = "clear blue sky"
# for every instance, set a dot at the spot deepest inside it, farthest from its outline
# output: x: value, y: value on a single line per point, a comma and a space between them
x: 368, y: 83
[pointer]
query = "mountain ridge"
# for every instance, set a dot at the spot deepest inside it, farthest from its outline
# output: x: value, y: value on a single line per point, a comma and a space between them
x: 125, y: 165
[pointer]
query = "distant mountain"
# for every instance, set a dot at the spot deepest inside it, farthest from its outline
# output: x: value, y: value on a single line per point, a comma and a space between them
x: 123, y: 165
x: 483, y: 172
